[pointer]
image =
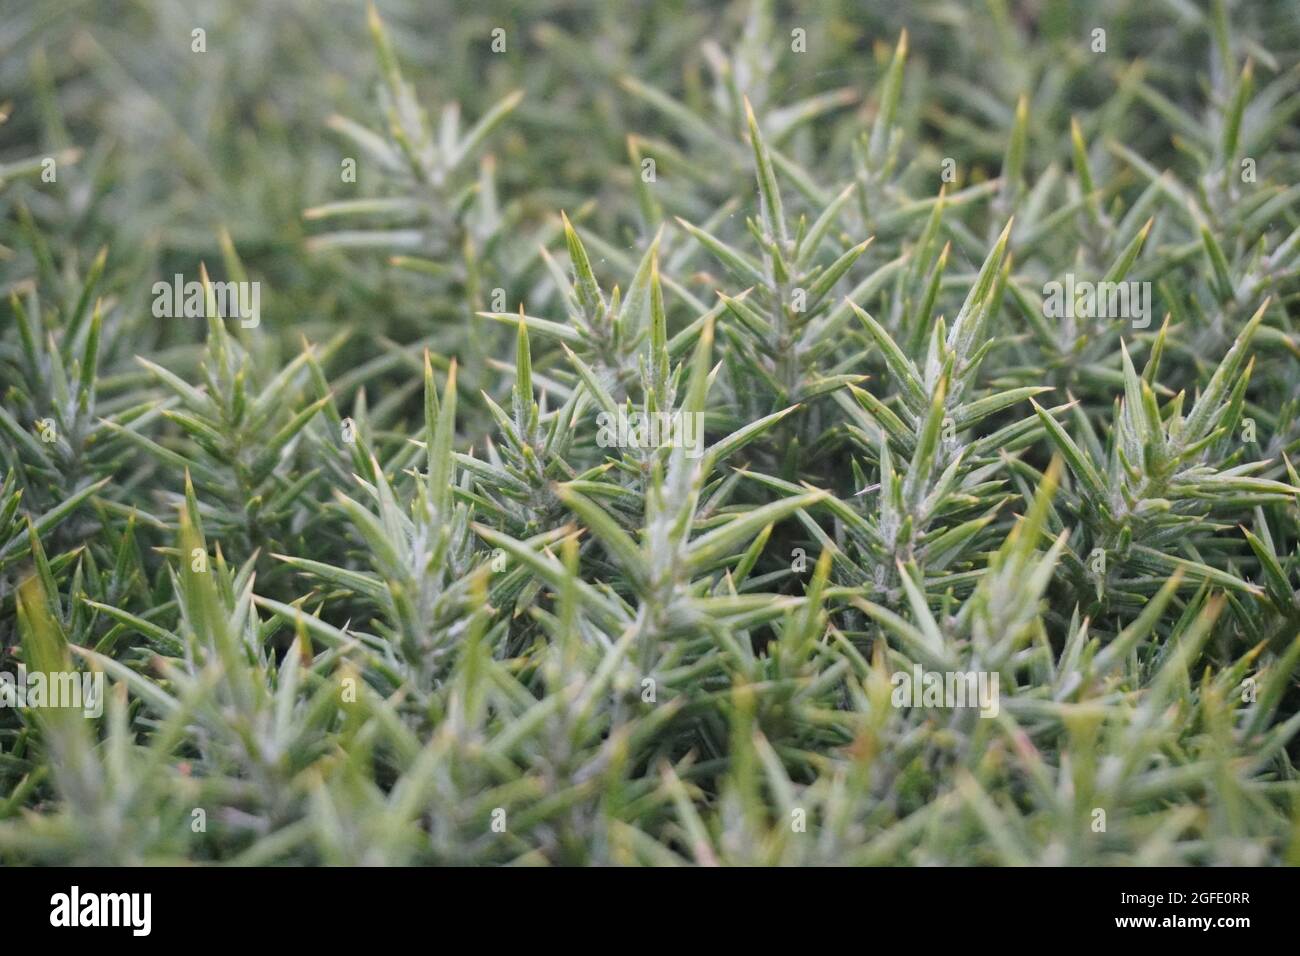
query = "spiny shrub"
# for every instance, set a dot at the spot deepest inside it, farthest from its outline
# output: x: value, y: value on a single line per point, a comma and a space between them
x: 587, y: 433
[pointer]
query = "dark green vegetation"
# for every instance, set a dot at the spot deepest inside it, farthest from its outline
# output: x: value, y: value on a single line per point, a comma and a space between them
x: 366, y: 584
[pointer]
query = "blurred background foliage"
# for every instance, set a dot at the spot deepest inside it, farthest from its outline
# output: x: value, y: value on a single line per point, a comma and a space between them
x: 175, y: 147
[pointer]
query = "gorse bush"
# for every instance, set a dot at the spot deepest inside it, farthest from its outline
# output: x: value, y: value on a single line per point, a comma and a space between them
x: 663, y: 433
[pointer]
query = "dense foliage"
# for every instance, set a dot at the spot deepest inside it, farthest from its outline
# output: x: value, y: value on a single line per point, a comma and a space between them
x: 373, y: 579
